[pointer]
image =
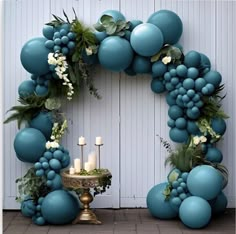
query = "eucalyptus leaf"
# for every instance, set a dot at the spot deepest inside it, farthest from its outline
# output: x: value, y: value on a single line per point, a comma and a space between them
x: 111, y: 29
x: 106, y: 19
x: 99, y: 27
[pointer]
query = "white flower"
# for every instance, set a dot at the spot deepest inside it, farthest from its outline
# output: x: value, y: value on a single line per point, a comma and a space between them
x: 196, y: 140
x: 54, y: 144
x: 203, y: 139
x: 48, y: 145
x: 89, y: 51
x: 166, y: 60
x: 53, y: 137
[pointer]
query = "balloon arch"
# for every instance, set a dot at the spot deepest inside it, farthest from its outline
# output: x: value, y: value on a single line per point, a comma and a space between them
x: 61, y: 60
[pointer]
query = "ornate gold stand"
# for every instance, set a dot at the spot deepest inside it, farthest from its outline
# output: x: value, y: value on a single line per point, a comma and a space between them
x: 85, y: 183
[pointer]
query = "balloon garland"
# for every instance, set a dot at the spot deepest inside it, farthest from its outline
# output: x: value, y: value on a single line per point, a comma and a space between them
x: 61, y: 60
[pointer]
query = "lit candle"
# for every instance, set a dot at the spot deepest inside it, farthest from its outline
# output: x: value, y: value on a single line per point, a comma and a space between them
x: 77, y: 165
x: 87, y: 166
x: 92, y: 159
x: 98, y: 140
x: 72, y: 171
x: 81, y: 140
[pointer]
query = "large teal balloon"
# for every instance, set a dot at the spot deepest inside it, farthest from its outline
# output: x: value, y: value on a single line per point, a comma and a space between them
x: 59, y: 207
x: 115, y: 53
x: 178, y: 135
x: 169, y: 23
x: 117, y: 15
x: 146, y: 39
x: 29, y: 145
x: 195, y: 212
x: 157, y: 205
x: 26, y: 88
x: 213, y: 77
x: 43, y: 122
x: 204, y: 181
x: 34, y: 56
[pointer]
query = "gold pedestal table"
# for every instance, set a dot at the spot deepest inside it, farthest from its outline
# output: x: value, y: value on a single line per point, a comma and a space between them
x: 84, y: 183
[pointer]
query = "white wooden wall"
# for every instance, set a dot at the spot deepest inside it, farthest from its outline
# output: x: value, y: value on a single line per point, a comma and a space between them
x: 129, y: 116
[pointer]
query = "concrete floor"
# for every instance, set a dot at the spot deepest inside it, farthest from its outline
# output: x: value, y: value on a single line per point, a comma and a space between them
x: 122, y: 221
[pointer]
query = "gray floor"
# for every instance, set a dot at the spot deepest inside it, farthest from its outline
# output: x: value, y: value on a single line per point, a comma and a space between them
x: 123, y: 221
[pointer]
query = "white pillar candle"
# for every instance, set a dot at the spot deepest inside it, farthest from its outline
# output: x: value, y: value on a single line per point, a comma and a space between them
x: 98, y: 140
x: 87, y: 166
x: 81, y: 140
x: 92, y: 159
x: 77, y: 165
x: 72, y: 171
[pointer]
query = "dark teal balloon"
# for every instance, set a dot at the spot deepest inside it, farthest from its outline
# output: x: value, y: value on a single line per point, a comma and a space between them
x: 157, y: 86
x: 214, y: 155
x: 192, y: 59
x: 178, y: 135
x: 219, y: 204
x: 34, y: 56
x: 181, y: 123
x: 134, y: 23
x: 41, y: 90
x: 141, y: 64
x: 56, y: 182
x: 59, y: 207
x: 26, y: 88
x: 28, y: 208
x: 43, y: 122
x: 192, y: 128
x: 158, y: 69
x: 116, y: 15
x: 205, y: 62
x: 100, y: 36
x: 175, y: 112
x: 115, y: 53
x: 170, y: 100
x: 195, y: 212
x: 192, y: 72
x: 157, y: 205
x: 29, y: 145
x: 199, y: 83
x: 146, y: 39
x: 181, y: 70
x: 218, y: 125
x: 213, y: 77
x: 169, y: 23
x: 48, y: 31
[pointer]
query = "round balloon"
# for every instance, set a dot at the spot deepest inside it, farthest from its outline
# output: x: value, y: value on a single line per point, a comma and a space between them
x: 157, y: 86
x: 115, y: 53
x: 26, y: 88
x: 43, y: 122
x: 218, y: 125
x: 134, y: 23
x: 59, y: 207
x: 213, y: 77
x: 195, y: 212
x: 116, y: 15
x: 178, y: 135
x: 205, y: 181
x: 28, y: 208
x: 29, y: 145
x: 146, y: 39
x: 158, y: 69
x: 34, y: 56
x: 169, y: 23
x: 141, y: 64
x: 157, y: 205
x: 219, y: 204
x: 214, y: 155
x: 192, y: 59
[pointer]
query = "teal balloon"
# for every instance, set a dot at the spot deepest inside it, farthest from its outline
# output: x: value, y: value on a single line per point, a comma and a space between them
x: 41, y: 90
x: 181, y: 70
x: 129, y: 71
x: 178, y: 135
x: 116, y: 15
x: 157, y: 86
x: 192, y: 128
x: 204, y: 181
x: 199, y: 83
x: 219, y: 204
x: 59, y: 207
x: 115, y: 53
x: 214, y: 155
x: 205, y: 62
x: 157, y: 205
x: 28, y: 208
x: 26, y: 88
x: 181, y: 123
x: 170, y: 100
x: 40, y: 221
x: 43, y: 122
x: 34, y: 56
x: 192, y: 72
x: 29, y: 145
x: 56, y: 183
x: 175, y: 112
x: 100, y: 36
x: 195, y: 212
x: 218, y: 125
x: 55, y: 164
x: 213, y: 77
x: 134, y: 23
x: 48, y: 31
x: 158, y: 69
x: 146, y: 39
x: 188, y: 83
x: 192, y: 59
x: 141, y: 64
x: 169, y: 23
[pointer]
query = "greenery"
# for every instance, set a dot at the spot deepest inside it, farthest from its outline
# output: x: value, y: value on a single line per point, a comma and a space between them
x: 31, y: 186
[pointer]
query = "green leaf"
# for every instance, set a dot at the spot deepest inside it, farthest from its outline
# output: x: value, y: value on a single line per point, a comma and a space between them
x: 111, y: 28
x: 106, y: 20
x: 66, y: 16
x: 99, y: 27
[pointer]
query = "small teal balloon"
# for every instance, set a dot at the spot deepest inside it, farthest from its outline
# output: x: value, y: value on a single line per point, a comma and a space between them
x: 192, y: 59
x: 26, y: 88
x: 181, y: 123
x: 219, y: 204
x: 171, y: 123
x: 134, y: 23
x: 28, y: 208
x: 141, y: 64
x: 193, y: 113
x: 195, y: 212
x: 218, y: 125
x: 199, y: 83
x: 56, y: 183
x: 116, y: 15
x: 29, y: 145
x: 192, y: 72
x: 34, y: 56
x: 58, y: 154
x: 170, y: 100
x: 100, y: 36
x: 192, y: 127
x: 204, y: 181
x: 115, y: 45
x: 158, y: 69
x: 39, y: 172
x: 175, y: 112
x: 181, y: 70
x: 59, y: 207
x: 213, y: 77
x: 47, y: 155
x: 205, y: 62
x: 188, y: 83
x: 55, y: 164
x: 48, y: 31
x: 169, y: 23
x: 51, y: 175
x: 214, y: 155
x: 178, y: 135
x: 65, y: 161
x: 40, y: 221
x: 43, y: 122
x: 157, y: 205
x: 146, y: 39
x: 41, y: 90
x: 157, y: 86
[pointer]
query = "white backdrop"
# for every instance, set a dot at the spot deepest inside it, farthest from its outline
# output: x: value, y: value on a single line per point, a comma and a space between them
x: 129, y: 116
